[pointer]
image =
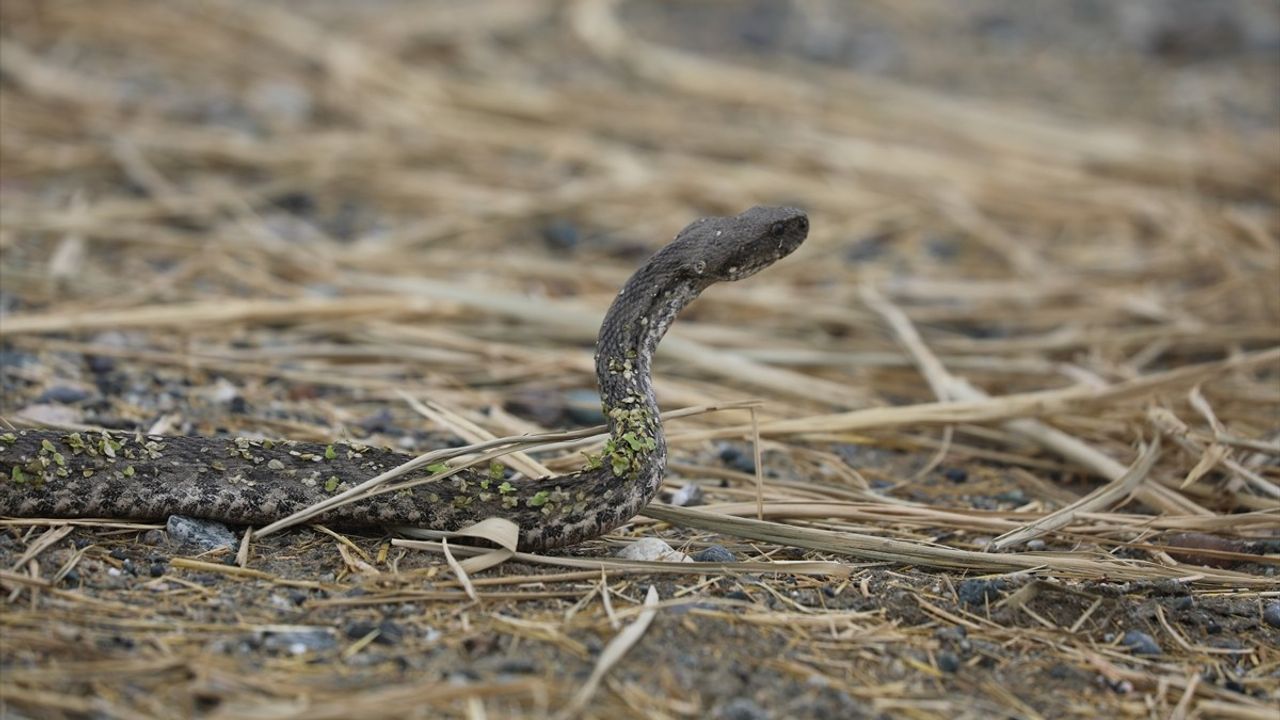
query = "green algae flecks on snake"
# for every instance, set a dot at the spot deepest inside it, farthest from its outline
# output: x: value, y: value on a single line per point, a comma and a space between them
x: 55, y: 474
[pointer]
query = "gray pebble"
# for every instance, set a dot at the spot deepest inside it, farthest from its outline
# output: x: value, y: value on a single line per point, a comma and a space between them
x: 979, y: 592
x: 300, y: 641
x: 714, y: 553
x: 1140, y: 643
x: 64, y: 394
x: 948, y: 662
x: 201, y: 535
x: 1271, y: 613
x: 583, y: 407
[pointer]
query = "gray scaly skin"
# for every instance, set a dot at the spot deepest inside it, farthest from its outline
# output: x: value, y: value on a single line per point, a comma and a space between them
x: 53, y: 474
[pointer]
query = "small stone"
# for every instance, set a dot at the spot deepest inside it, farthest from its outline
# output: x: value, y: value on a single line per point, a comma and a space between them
x: 948, y: 662
x: 687, y: 496
x: 956, y: 475
x: 299, y: 642
x: 389, y: 633
x: 64, y: 394
x: 742, y: 709
x: 734, y: 458
x: 223, y: 392
x: 583, y: 407
x: 654, y: 550
x: 1140, y: 643
x: 561, y: 235
x: 201, y: 535
x: 157, y: 569
x: 1271, y: 613
x: 714, y: 553
x: 979, y: 592
x: 1035, y: 545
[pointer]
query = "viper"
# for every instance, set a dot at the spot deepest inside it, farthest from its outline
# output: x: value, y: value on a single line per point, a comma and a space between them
x: 55, y: 474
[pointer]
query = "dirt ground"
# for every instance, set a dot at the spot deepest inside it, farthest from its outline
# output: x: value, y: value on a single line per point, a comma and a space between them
x: 1041, y: 296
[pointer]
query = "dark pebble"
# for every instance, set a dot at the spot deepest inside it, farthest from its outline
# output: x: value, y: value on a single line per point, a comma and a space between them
x: 157, y: 569
x: 238, y: 405
x: 389, y: 633
x: 129, y: 567
x: 65, y: 394
x: 561, y: 235
x: 956, y: 475
x: 742, y: 709
x: 948, y: 662
x: 583, y: 407
x: 979, y: 592
x: 735, y: 459
x: 117, y: 553
x: 714, y: 553
x: 1271, y: 613
x: 737, y: 595
x: 100, y: 364
x: 296, y: 202
x: 1140, y: 643
x: 72, y: 577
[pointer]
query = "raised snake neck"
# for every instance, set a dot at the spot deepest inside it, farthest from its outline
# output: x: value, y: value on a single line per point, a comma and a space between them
x: 54, y: 474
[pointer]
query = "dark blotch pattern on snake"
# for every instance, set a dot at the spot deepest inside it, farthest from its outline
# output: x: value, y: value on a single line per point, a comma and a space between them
x: 54, y: 474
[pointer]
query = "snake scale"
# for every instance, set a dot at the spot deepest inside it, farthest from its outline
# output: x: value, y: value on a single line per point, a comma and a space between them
x: 55, y: 474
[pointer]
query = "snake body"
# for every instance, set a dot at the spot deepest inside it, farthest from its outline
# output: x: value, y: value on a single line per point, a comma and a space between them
x: 54, y: 474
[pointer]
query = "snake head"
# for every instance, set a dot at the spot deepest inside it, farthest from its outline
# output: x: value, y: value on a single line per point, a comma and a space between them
x: 717, y: 249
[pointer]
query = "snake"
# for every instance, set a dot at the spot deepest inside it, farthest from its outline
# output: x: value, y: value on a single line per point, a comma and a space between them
x: 51, y: 473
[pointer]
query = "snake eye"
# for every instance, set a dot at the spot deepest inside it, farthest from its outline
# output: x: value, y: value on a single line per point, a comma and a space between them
x: 699, y: 267
x: 778, y: 229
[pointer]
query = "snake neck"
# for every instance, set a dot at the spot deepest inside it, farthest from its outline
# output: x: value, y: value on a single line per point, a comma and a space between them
x: 635, y: 323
